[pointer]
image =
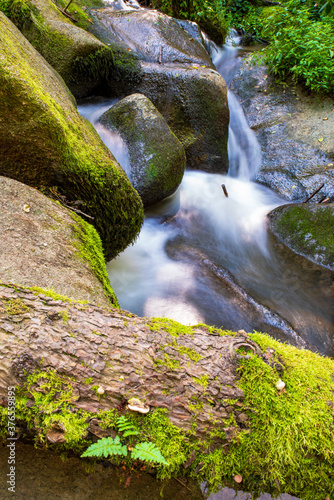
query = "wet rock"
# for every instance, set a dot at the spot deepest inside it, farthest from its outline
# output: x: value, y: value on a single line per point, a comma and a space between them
x: 307, y: 229
x: 154, y: 36
x: 23, y: 260
x: 193, y: 101
x: 59, y: 149
x: 157, y: 159
x: 292, y: 129
x: 78, y: 56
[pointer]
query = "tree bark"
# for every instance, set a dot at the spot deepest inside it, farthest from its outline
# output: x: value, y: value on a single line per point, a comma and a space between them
x: 122, y: 354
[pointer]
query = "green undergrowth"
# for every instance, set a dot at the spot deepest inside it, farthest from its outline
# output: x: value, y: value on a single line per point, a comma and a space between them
x: 310, y: 232
x: 90, y: 249
x: 287, y: 447
x: 300, y: 35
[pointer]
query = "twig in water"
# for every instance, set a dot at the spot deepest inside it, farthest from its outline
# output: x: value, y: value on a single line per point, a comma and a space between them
x: 314, y: 193
x: 182, y: 484
x: 225, y: 190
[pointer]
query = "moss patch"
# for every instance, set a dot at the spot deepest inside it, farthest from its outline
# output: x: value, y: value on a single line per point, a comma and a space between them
x: 90, y: 249
x: 16, y: 306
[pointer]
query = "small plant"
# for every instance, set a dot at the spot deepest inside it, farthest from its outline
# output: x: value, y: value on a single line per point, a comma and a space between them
x: 105, y: 447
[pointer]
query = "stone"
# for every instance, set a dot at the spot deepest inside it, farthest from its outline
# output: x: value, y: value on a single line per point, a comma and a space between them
x: 307, y: 229
x: 78, y: 56
x: 44, y: 142
x: 157, y: 159
x: 154, y: 36
x: 288, y: 123
x: 193, y: 101
x: 59, y: 265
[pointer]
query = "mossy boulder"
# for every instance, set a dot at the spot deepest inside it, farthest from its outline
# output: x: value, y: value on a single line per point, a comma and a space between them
x: 79, y: 57
x: 45, y: 245
x: 193, y: 101
x: 157, y: 158
x: 154, y: 36
x: 45, y: 143
x: 308, y: 229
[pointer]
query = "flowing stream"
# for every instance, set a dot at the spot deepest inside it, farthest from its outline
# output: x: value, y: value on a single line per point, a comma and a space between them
x: 177, y: 267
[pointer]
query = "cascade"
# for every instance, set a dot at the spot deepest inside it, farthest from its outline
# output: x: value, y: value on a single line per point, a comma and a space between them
x: 177, y: 267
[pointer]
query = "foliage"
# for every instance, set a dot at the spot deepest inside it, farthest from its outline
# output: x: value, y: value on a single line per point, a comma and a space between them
x: 146, y: 451
x: 301, y: 40
x: 126, y: 427
x: 105, y: 447
x: 209, y: 14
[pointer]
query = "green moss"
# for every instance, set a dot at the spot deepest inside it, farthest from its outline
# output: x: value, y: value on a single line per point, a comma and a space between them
x: 290, y: 446
x: 203, y: 381
x: 169, y: 363
x: 170, y: 326
x: 91, y: 251
x: 16, y: 306
x: 310, y: 232
x: 55, y: 296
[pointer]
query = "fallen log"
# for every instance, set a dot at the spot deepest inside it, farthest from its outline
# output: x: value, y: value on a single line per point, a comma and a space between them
x: 214, y: 408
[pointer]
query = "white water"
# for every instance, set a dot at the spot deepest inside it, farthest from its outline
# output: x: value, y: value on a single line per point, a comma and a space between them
x: 163, y: 274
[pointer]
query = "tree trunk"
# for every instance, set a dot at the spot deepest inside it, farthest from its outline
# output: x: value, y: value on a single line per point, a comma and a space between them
x: 123, y: 354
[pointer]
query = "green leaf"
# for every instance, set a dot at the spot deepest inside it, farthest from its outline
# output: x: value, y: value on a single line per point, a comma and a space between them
x: 148, y: 452
x: 105, y: 447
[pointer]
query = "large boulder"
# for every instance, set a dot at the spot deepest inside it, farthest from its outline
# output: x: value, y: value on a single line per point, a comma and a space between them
x: 45, y: 142
x: 157, y: 158
x: 80, y: 58
x: 45, y: 245
x: 308, y: 229
x: 193, y: 101
x: 154, y: 36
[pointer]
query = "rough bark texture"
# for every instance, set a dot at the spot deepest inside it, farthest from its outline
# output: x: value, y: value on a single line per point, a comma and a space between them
x: 122, y: 354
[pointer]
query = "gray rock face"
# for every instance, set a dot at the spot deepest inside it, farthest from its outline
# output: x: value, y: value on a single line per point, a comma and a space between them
x: 193, y: 100
x: 295, y: 131
x: 153, y: 35
x: 156, y: 156
x: 39, y: 245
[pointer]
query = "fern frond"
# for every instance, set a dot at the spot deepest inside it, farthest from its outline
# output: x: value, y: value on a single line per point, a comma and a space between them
x: 105, y: 447
x: 127, y: 427
x: 130, y: 433
x: 148, y: 452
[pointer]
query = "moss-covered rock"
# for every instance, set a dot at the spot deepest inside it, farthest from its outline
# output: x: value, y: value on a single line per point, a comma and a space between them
x: 157, y: 158
x: 45, y: 142
x: 193, y: 101
x: 308, y: 229
x: 80, y: 58
x: 44, y: 244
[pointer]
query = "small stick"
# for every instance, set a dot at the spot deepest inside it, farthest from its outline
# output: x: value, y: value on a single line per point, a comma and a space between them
x: 182, y: 484
x: 67, y: 6
x: 77, y: 210
x: 314, y: 193
x: 160, y: 55
x: 225, y: 190
x: 66, y: 14
x: 325, y: 200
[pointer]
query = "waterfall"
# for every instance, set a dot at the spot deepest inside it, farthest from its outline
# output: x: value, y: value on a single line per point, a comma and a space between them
x: 191, y: 239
